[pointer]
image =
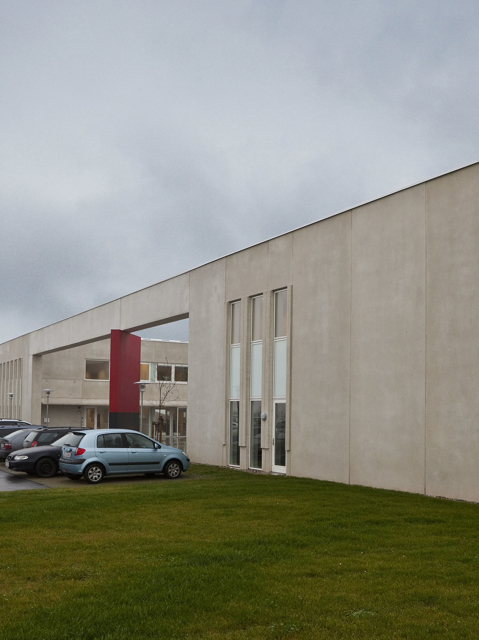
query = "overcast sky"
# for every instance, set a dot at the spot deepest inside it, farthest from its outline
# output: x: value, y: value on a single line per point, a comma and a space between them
x: 142, y: 138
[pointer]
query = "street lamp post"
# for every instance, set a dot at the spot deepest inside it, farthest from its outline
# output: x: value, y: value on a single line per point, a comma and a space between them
x: 10, y: 399
x: 47, y: 393
x: 142, y: 391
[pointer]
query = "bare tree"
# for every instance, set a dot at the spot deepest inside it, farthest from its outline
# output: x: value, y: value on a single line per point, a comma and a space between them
x: 167, y: 391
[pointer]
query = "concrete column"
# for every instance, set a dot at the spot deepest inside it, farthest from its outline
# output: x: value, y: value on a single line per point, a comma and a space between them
x: 33, y: 379
x: 125, y: 357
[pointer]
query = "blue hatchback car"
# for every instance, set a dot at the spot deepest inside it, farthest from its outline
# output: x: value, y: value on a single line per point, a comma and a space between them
x: 105, y: 452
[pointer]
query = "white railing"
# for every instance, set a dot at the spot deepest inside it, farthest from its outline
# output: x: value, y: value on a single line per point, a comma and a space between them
x: 179, y: 442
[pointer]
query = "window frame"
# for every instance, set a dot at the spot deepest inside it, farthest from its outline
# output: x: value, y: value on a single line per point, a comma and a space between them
x: 255, y: 399
x: 173, y: 370
x: 148, y: 364
x: 97, y: 379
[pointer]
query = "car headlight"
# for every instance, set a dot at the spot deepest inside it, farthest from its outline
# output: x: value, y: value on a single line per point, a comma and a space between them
x: 20, y: 457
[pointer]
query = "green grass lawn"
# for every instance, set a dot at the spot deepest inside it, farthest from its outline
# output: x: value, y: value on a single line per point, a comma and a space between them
x: 227, y: 554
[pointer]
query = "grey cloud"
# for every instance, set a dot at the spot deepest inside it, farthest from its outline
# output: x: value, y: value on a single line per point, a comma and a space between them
x: 141, y: 139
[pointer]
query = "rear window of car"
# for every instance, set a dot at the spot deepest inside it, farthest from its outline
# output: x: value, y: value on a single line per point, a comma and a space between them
x: 73, y: 439
x: 31, y: 436
x: 13, y: 434
x: 61, y: 441
x: 45, y: 437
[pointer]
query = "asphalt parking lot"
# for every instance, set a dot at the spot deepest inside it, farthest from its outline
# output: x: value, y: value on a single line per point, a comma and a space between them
x: 10, y: 481
x: 17, y: 481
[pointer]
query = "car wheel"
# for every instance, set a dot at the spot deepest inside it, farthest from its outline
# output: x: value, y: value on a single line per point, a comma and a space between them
x: 46, y: 468
x: 173, y: 469
x: 73, y: 476
x: 94, y: 473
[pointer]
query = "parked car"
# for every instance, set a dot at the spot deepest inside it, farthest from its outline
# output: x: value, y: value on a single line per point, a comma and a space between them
x: 7, y: 422
x: 41, y: 436
x: 104, y: 452
x: 8, y: 429
x: 12, y: 442
x: 40, y: 460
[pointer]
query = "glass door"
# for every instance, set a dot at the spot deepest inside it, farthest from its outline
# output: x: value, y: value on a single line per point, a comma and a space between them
x: 279, y: 438
x: 96, y: 417
x: 90, y: 415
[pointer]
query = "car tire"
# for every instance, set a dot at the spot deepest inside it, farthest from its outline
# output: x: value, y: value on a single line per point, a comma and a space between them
x: 173, y: 469
x: 73, y: 476
x: 46, y: 468
x: 94, y: 473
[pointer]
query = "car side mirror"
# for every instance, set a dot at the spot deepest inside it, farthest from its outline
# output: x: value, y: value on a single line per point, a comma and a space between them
x: 157, y: 446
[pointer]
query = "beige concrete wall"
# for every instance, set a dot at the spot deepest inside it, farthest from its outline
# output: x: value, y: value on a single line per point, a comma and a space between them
x: 452, y: 468
x: 63, y: 416
x: 206, y: 354
x: 321, y: 350
x: 388, y: 342
x: 31, y: 367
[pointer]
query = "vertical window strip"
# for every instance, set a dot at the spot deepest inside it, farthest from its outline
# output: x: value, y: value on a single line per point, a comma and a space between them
x: 256, y: 371
x: 235, y: 376
x: 279, y: 377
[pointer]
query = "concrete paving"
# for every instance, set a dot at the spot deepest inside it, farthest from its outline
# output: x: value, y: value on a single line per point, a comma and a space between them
x: 16, y: 481
x: 12, y: 482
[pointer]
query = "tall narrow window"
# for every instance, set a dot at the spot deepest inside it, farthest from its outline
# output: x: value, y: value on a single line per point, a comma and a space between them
x: 279, y: 380
x: 256, y: 381
x: 235, y: 352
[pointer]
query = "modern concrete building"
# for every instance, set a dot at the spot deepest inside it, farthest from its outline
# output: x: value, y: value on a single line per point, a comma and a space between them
x: 79, y: 381
x: 346, y: 350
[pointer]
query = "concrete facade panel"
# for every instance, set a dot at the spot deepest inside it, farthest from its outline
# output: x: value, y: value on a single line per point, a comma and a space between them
x: 320, y: 350
x: 206, y: 354
x: 388, y: 342
x: 173, y: 352
x: 95, y: 322
x: 165, y: 300
x: 63, y: 389
x: 49, y: 338
x: 247, y: 272
x: 66, y: 416
x: 93, y: 389
x: 280, y: 262
x: 453, y: 335
x: 13, y: 349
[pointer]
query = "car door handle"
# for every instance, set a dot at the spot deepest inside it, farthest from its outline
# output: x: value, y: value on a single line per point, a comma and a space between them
x: 133, y: 451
